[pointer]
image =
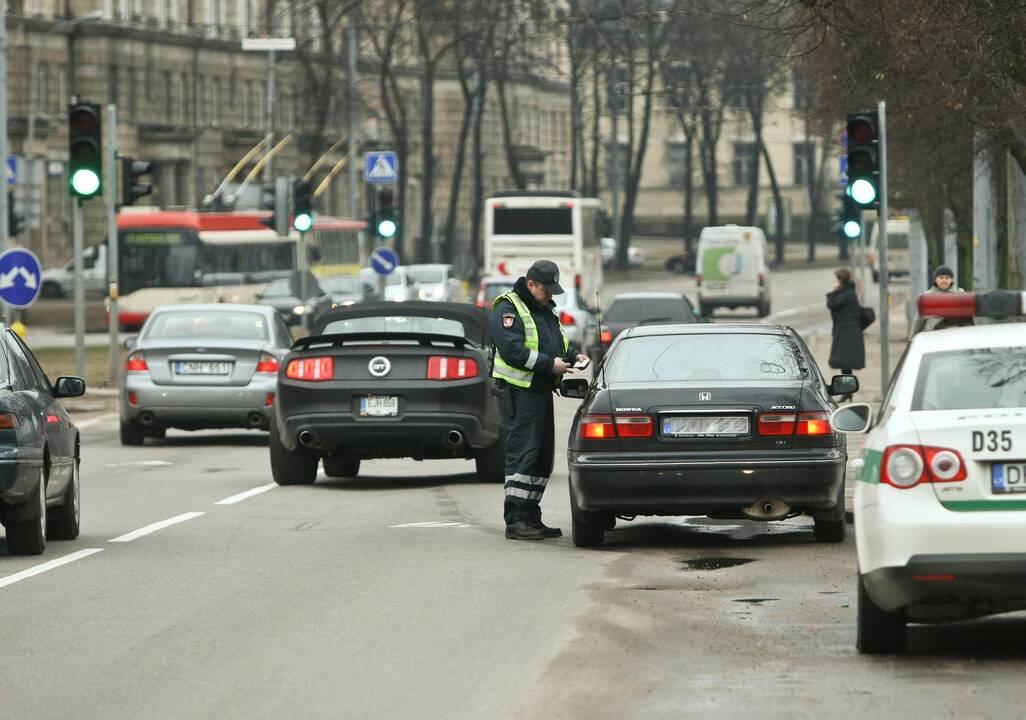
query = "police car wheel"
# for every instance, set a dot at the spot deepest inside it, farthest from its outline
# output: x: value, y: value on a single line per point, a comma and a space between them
x: 290, y: 467
x: 877, y: 632
x: 491, y: 464
x: 588, y: 529
x: 131, y: 433
x: 341, y: 467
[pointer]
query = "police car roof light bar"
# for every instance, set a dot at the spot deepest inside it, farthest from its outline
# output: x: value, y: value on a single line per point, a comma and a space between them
x: 992, y: 304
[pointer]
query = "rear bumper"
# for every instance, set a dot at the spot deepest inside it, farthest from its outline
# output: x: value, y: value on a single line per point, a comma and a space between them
x: 950, y: 587
x: 411, y: 434
x: 806, y: 480
x: 198, y: 406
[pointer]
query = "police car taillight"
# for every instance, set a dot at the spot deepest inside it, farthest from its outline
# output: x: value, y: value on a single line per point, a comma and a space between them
x: 905, y: 466
x: 993, y: 304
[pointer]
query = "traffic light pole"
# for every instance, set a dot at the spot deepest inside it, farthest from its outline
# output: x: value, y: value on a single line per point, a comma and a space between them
x: 3, y: 130
x: 79, y: 288
x: 112, y: 242
x: 885, y: 297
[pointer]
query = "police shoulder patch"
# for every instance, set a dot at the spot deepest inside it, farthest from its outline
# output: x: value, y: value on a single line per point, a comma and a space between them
x: 508, y: 319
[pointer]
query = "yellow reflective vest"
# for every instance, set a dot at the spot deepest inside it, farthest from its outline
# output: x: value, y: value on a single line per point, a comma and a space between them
x: 502, y: 370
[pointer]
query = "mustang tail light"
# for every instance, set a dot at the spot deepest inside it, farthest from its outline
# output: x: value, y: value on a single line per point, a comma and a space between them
x: 9, y: 421
x: 441, y: 367
x: 136, y: 362
x: 606, y: 337
x: 268, y: 363
x: 905, y: 466
x: 777, y: 424
x: 813, y: 423
x: 311, y: 369
x: 604, y: 427
x: 566, y: 318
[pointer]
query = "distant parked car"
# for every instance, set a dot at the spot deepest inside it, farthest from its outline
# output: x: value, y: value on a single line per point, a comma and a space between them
x: 434, y: 282
x: 629, y: 310
x: 635, y: 255
x: 682, y: 263
x: 202, y: 366
x: 348, y: 289
x: 492, y: 286
x: 399, y: 286
x: 283, y: 295
x: 59, y: 281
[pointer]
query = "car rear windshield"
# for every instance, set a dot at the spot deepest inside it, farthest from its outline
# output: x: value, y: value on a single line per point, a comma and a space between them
x: 533, y: 221
x: 214, y: 324
x: 972, y: 379
x: 425, y: 276
x: 639, y: 310
x: 897, y: 241
x: 343, y: 284
x: 494, y: 290
x: 412, y: 324
x: 694, y: 357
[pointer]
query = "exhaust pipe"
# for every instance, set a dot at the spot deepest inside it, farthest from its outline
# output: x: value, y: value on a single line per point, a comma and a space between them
x: 255, y: 419
x: 454, y: 438
x: 767, y: 509
x: 306, y: 438
x: 146, y: 418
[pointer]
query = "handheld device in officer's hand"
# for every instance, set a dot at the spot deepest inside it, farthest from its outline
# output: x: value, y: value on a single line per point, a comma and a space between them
x: 582, y: 364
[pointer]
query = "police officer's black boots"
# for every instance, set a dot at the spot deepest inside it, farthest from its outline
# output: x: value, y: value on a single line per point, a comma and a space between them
x: 550, y: 532
x: 519, y: 521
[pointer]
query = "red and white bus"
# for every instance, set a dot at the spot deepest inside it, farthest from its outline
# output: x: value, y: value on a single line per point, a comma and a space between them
x: 167, y: 257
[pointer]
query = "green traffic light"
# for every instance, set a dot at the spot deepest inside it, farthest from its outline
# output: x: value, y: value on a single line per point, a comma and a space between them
x: 852, y: 229
x: 303, y: 222
x: 386, y: 228
x: 85, y: 182
x: 863, y: 192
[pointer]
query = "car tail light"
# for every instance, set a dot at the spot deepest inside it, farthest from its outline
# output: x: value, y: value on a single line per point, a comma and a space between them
x: 762, y: 280
x: 698, y: 279
x: 905, y: 466
x: 269, y: 400
x: 268, y: 363
x: 133, y: 399
x: 566, y: 318
x: 8, y: 421
x: 568, y: 204
x: 634, y: 426
x: 441, y: 367
x: 136, y: 362
x: 813, y: 423
x: 777, y: 424
x: 578, y: 281
x: 606, y: 337
x: 596, y: 427
x: 311, y: 369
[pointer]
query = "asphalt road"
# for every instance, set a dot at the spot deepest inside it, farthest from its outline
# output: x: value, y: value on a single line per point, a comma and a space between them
x: 198, y: 589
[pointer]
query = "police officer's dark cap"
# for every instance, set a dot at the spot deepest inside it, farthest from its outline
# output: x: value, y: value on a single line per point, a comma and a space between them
x: 546, y: 272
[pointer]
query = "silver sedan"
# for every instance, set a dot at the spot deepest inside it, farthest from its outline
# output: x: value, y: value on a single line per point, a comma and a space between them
x: 202, y: 366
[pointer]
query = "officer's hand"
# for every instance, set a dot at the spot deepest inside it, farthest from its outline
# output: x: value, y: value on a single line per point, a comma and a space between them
x: 560, y: 366
x: 583, y: 359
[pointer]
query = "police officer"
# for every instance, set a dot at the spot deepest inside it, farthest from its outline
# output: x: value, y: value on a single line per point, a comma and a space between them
x: 530, y: 356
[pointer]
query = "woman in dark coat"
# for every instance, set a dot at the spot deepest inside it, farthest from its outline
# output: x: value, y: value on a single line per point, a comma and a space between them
x: 847, y: 351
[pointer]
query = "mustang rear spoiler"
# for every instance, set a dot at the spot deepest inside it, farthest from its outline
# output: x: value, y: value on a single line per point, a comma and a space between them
x: 340, y: 339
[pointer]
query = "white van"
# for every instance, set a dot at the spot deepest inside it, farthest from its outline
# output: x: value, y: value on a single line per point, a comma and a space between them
x: 897, y: 248
x: 522, y: 226
x: 60, y: 281
x: 732, y: 270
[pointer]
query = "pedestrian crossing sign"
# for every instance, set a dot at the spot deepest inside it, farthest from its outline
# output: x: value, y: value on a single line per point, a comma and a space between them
x: 381, y: 167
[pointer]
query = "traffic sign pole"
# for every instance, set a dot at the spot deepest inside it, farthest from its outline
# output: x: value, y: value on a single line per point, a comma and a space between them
x: 112, y: 243
x: 885, y: 299
x: 79, y: 289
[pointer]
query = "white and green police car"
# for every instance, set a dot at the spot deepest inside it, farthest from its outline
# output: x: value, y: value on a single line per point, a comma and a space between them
x: 940, y: 502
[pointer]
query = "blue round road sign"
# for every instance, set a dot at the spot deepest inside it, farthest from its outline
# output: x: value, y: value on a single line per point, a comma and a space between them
x: 384, y: 260
x: 19, y: 278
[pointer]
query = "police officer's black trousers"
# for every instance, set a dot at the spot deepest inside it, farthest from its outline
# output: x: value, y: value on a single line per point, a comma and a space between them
x: 528, y: 429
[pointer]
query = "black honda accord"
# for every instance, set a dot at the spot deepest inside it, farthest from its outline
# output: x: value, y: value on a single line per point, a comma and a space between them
x: 728, y: 421
x: 387, y: 380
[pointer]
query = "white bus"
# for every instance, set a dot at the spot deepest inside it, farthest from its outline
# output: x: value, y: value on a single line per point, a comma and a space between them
x: 522, y: 226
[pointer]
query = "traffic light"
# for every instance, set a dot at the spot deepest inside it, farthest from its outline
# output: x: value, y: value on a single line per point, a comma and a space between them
x: 851, y: 219
x: 864, y: 159
x: 85, y: 150
x: 131, y: 187
x: 302, y: 205
x: 274, y: 196
x: 15, y: 220
x: 385, y: 221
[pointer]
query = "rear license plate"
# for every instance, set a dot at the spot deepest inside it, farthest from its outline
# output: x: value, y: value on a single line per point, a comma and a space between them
x: 1008, y: 477
x: 379, y: 406
x: 705, y: 427
x: 202, y: 367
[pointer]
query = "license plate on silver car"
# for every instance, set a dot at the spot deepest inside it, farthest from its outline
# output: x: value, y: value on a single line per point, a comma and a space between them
x: 202, y: 367
x: 720, y: 426
x: 379, y: 406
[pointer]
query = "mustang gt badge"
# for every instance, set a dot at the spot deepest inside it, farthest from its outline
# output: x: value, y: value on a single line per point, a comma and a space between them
x: 379, y: 366
x: 704, y: 396
x: 508, y: 319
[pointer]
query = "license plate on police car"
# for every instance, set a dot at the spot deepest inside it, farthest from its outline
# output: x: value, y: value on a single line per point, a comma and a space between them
x: 1008, y: 477
x: 705, y: 426
x: 202, y: 367
x: 379, y: 406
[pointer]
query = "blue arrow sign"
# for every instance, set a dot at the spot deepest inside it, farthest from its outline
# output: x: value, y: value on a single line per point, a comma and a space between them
x: 381, y: 167
x: 19, y: 278
x: 844, y: 169
x: 12, y: 170
x: 384, y: 260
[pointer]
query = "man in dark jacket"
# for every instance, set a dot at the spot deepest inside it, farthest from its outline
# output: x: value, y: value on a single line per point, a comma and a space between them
x: 530, y: 357
x: 847, y: 349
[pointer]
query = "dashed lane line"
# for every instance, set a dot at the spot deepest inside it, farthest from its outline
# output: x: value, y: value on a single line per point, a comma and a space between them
x: 231, y: 500
x: 49, y: 565
x: 154, y: 527
x: 431, y: 524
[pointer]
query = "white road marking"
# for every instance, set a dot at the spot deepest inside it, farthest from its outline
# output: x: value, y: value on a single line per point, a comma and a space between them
x: 248, y: 494
x: 430, y: 525
x: 154, y: 527
x: 145, y: 463
x: 797, y: 310
x: 95, y: 420
x: 50, y: 565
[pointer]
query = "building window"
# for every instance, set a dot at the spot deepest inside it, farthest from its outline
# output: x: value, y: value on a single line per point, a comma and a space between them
x: 186, y: 97
x: 258, y: 107
x: 800, y: 99
x: 168, y: 100
x: 247, y: 103
x: 62, y: 89
x: 215, y: 102
x: 148, y: 84
x: 744, y: 164
x: 42, y: 89
x: 676, y: 157
x: 201, y: 96
x: 804, y: 158
x: 132, y: 90
x: 616, y: 164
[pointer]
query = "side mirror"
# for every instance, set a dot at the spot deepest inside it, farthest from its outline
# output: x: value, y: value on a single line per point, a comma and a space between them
x: 855, y: 418
x: 574, y: 388
x: 130, y: 341
x: 844, y: 385
x: 68, y: 386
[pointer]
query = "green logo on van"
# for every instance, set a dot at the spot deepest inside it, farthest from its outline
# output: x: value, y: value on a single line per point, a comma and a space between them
x: 712, y: 264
